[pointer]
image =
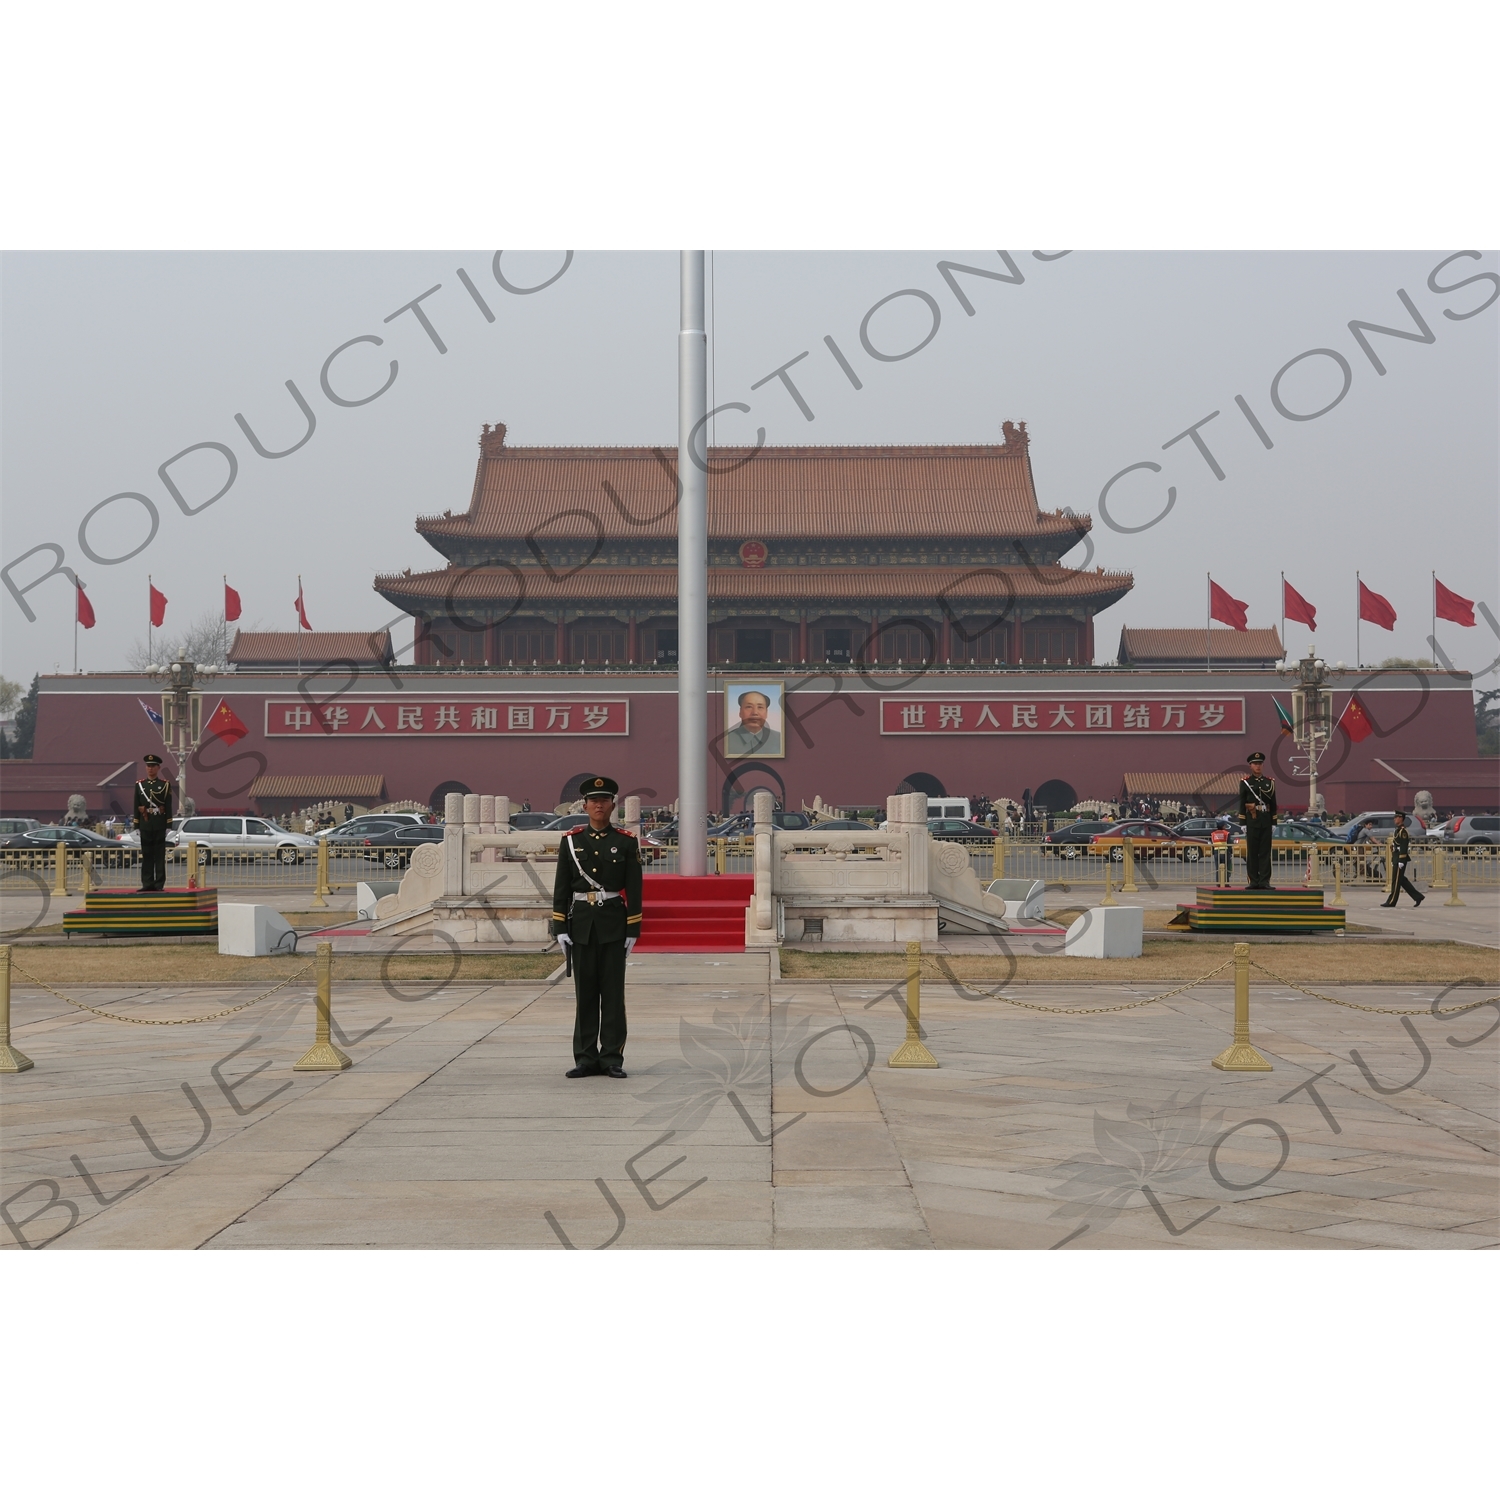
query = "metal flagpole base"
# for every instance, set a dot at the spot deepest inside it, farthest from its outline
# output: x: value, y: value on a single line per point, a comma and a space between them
x: 12, y: 1061
x: 1241, y: 1057
x: 322, y: 1057
x: 911, y: 1054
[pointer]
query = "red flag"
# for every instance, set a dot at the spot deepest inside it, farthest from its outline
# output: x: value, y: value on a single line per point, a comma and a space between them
x: 1355, y: 722
x: 226, y: 725
x: 1295, y: 607
x: 158, y: 604
x: 1451, y: 606
x: 301, y: 612
x: 1376, y: 608
x: 231, y: 602
x: 1225, y: 608
x: 85, y: 609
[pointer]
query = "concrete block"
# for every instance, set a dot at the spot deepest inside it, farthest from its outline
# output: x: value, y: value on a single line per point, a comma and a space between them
x: 254, y: 931
x: 1106, y: 932
x: 368, y: 892
x: 1024, y: 899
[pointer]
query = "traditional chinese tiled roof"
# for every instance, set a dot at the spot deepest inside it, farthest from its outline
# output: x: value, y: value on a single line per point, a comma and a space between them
x: 285, y: 648
x: 1193, y: 786
x: 506, y: 587
x: 960, y: 491
x: 319, y: 788
x: 1151, y: 648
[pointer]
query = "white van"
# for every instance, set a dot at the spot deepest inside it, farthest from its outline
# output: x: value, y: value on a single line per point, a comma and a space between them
x: 948, y: 807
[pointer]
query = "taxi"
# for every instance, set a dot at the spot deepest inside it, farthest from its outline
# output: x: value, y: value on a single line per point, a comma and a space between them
x: 1148, y: 837
x: 1296, y: 837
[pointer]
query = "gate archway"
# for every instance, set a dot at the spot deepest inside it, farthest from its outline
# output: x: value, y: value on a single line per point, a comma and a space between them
x: 748, y: 778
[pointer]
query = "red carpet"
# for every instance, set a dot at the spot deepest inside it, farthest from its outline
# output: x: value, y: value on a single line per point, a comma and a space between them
x: 694, y: 913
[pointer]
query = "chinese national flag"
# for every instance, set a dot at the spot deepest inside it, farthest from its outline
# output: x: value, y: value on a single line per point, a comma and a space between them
x: 1355, y: 722
x: 1295, y: 607
x: 1451, y: 606
x: 1225, y: 608
x: 231, y: 603
x: 301, y: 611
x: 1376, y: 608
x: 226, y: 725
x: 85, y: 610
x: 158, y: 604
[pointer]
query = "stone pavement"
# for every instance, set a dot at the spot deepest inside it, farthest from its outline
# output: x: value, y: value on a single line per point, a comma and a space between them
x: 752, y: 1117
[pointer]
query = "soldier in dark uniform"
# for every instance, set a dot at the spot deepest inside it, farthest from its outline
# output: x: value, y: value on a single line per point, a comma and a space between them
x: 1258, y: 813
x: 153, y: 816
x: 1400, y: 858
x: 596, y: 918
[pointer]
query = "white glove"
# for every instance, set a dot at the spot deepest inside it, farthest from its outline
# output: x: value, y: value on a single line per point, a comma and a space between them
x: 564, y: 941
x: 629, y: 944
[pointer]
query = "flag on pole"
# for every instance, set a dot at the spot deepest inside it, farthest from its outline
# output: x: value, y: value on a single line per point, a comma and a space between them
x: 231, y: 602
x: 85, y: 609
x: 152, y: 714
x: 158, y: 604
x: 1283, y: 716
x: 225, y: 724
x: 301, y: 610
x: 1451, y: 606
x: 1295, y: 607
x: 1376, y: 608
x: 1355, y: 722
x: 1225, y: 608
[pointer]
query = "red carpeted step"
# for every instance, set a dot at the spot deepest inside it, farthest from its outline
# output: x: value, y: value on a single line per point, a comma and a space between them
x: 694, y: 914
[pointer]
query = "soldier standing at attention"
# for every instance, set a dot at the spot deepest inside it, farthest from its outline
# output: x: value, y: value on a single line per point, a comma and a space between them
x: 153, y: 816
x: 596, y: 918
x: 1258, y: 813
x: 1400, y: 858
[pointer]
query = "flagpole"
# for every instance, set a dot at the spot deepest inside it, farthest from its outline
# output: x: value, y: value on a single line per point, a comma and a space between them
x: 77, y: 595
x: 299, y: 625
x: 1359, y: 665
x: 1434, y: 613
x: 151, y: 640
x: 1283, y: 617
x: 1208, y: 624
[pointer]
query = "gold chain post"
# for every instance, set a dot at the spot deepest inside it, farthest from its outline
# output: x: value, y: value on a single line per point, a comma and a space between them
x: 1437, y: 868
x: 913, y: 1053
x: 192, y: 865
x: 323, y: 1056
x: 60, y: 868
x: 320, y: 893
x: 1338, y: 881
x: 999, y: 873
x: 1109, y: 883
x: 1128, y: 884
x: 11, y: 1061
x: 86, y: 862
x: 1240, y: 1056
x: 1390, y: 868
x: 1314, y: 873
x: 1453, y: 897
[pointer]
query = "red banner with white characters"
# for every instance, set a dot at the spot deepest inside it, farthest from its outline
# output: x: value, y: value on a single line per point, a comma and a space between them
x: 440, y: 718
x: 1016, y: 713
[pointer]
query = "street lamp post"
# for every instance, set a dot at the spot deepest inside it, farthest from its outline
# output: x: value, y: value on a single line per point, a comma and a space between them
x: 182, y: 715
x: 1312, y: 714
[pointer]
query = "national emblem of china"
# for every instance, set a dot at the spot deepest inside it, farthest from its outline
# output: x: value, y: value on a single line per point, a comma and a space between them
x: 753, y: 554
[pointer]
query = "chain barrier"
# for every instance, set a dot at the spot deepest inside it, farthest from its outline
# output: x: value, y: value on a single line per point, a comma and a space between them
x: 1377, y: 1010
x: 1104, y: 1010
x: 181, y: 1021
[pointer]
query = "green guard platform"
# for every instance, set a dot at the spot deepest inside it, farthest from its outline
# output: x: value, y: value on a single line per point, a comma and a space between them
x: 1222, y: 909
x: 146, y: 914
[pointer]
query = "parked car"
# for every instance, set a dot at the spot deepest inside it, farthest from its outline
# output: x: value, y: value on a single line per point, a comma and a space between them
x: 835, y: 825
x: 1204, y: 828
x: 1070, y: 842
x: 1148, y: 837
x: 243, y: 836
x: 567, y: 822
x: 360, y: 835
x: 957, y: 831
x: 949, y: 807
x: 529, y: 822
x: 744, y: 823
x: 395, y: 852
x: 9, y: 826
x: 1377, y: 827
x: 359, y: 828
x: 45, y: 837
x: 1472, y: 828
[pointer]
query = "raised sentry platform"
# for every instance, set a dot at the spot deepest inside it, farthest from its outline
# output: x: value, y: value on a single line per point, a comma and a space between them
x: 1223, y: 909
x: 169, y: 913
x: 694, y: 914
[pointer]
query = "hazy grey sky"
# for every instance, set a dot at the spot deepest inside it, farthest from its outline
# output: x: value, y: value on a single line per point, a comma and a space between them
x: 114, y: 362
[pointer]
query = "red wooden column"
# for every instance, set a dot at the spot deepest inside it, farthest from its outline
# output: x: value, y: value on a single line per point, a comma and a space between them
x: 633, y: 642
x: 945, y: 639
x: 1088, y: 640
x: 1017, y: 639
x: 562, y: 638
x: 872, y: 643
x: 802, y: 636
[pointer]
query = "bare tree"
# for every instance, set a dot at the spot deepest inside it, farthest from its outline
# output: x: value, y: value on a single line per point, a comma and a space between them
x: 10, y: 695
x: 206, y: 639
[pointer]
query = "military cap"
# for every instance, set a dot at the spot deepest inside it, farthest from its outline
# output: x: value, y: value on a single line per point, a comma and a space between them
x: 598, y: 786
x: 1255, y: 756
x: 152, y: 760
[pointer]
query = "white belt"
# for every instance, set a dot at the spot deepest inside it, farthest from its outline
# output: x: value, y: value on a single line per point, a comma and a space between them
x: 594, y: 897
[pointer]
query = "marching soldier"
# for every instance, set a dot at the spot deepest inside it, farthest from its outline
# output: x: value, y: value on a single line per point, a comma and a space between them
x: 1258, y: 813
x: 1400, y: 858
x: 153, y: 816
x: 596, y: 918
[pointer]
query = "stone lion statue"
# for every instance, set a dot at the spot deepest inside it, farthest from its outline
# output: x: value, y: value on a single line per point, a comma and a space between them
x: 1422, y: 806
x: 78, y: 811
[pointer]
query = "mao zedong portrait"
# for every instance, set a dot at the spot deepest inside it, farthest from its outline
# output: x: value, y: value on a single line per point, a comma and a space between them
x: 754, y: 716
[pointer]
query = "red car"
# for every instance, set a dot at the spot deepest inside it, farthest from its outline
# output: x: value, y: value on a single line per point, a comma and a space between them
x: 1148, y: 837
